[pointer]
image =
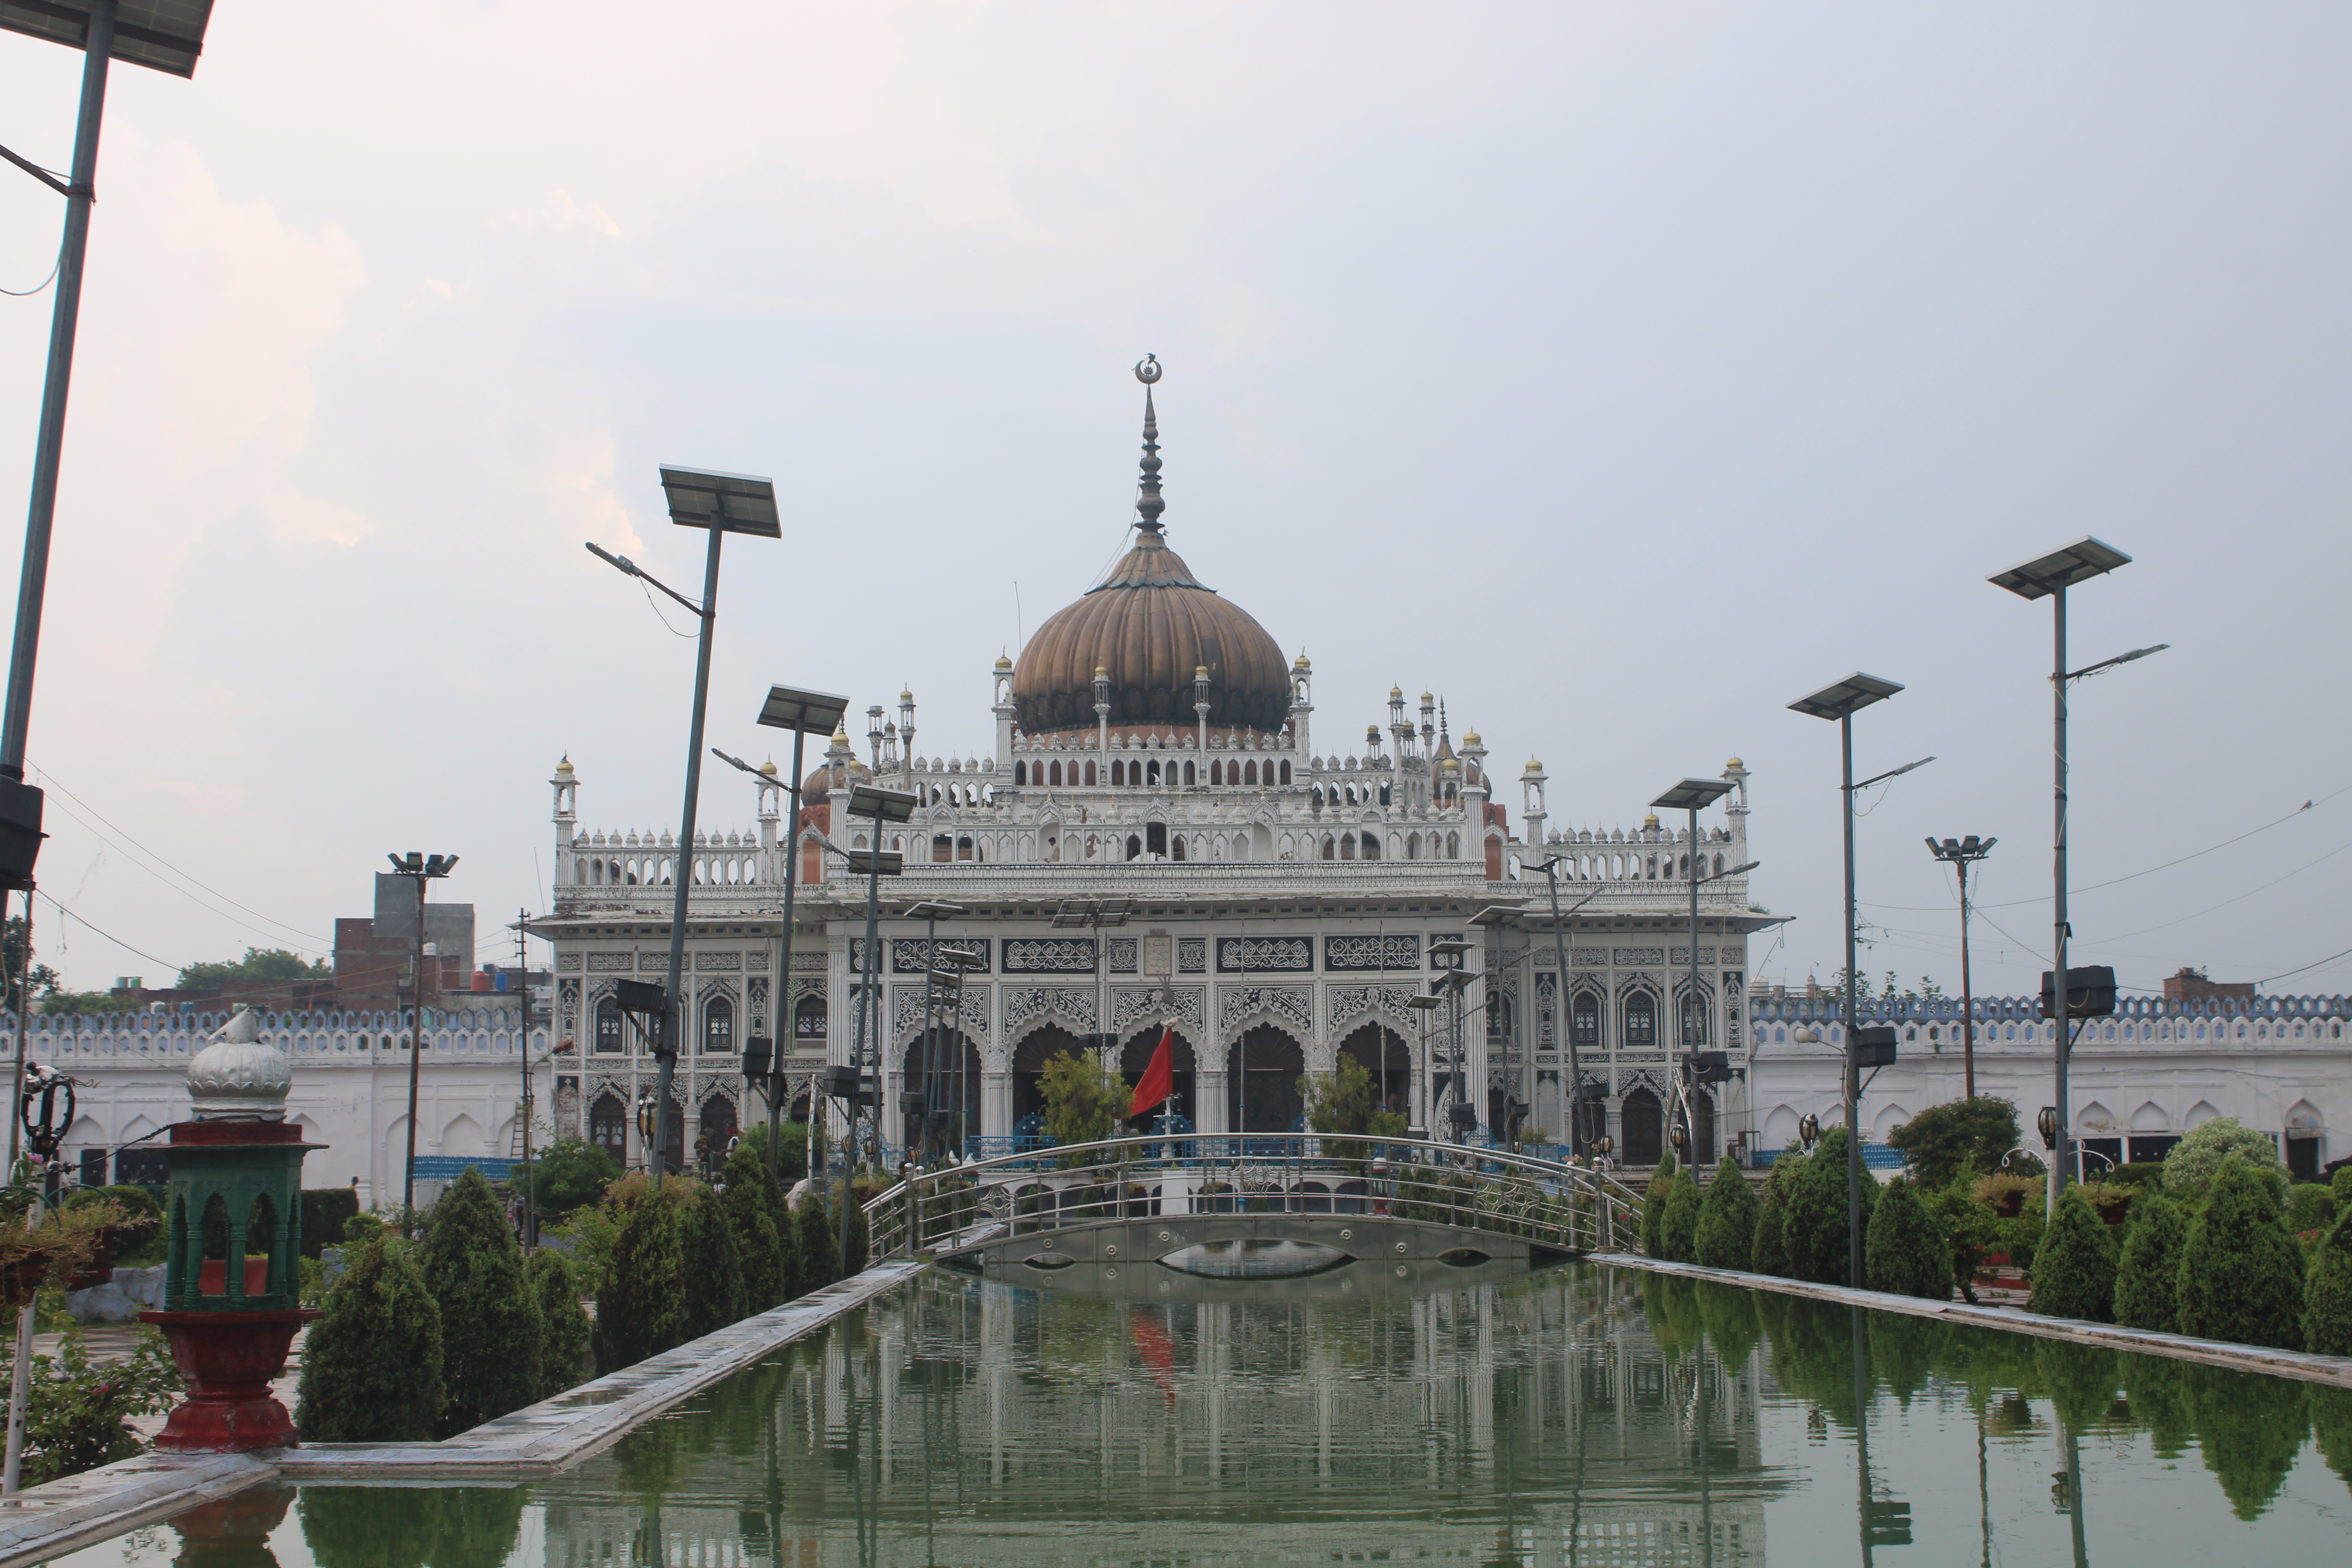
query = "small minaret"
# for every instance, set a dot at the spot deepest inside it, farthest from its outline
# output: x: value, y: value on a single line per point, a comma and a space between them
x: 1302, y: 701
x: 1102, y: 714
x: 771, y: 813
x: 1531, y: 800
x: 874, y: 739
x: 1428, y: 724
x: 906, y: 739
x: 1002, y: 681
x: 567, y: 817
x: 1399, y: 726
x: 1735, y: 809
x: 1200, y: 711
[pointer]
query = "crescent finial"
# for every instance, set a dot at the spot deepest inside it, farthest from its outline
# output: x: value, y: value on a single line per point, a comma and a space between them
x: 1147, y: 369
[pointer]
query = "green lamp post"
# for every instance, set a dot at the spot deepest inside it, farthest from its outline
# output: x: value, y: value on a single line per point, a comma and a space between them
x: 235, y: 1173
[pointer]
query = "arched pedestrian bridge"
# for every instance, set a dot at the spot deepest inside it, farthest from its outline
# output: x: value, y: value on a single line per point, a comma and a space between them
x: 1261, y: 1205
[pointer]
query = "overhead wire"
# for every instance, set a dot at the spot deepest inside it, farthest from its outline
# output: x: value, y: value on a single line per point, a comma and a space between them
x: 109, y: 936
x: 44, y: 283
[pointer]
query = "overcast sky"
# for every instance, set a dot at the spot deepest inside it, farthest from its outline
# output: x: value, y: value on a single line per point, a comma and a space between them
x: 1618, y: 373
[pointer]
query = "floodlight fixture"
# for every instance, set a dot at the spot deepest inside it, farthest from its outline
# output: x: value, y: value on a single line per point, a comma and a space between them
x: 877, y: 863
x: 1740, y: 870
x: 1425, y: 1004
x: 883, y: 805
x: 2061, y: 569
x: 1889, y: 773
x: 2106, y: 664
x: 738, y: 503
x: 803, y: 712
x: 1499, y: 914
x: 1692, y: 794
x: 1843, y: 699
x: 933, y: 909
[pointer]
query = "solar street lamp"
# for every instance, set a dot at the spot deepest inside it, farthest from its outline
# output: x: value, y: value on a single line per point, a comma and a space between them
x: 420, y: 869
x: 932, y: 912
x: 161, y: 34
x: 2048, y: 578
x: 719, y: 504
x: 1691, y: 795
x: 883, y: 807
x: 1842, y: 700
x: 1960, y: 854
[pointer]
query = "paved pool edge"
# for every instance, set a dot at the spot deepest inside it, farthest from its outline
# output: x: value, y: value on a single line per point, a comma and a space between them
x: 2300, y: 1366
x: 47, y: 1521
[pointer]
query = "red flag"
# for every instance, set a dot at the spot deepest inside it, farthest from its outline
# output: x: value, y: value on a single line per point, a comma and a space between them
x: 1159, y: 1079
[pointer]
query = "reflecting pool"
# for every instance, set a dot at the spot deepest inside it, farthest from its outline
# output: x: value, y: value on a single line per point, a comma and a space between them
x: 1486, y: 1415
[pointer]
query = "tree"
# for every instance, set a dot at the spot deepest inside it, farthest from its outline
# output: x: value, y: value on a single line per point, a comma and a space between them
x: 1653, y: 1206
x: 371, y: 1366
x: 713, y: 1271
x: 1813, y: 1229
x: 1727, y: 1222
x: 817, y: 1243
x: 1771, y: 1252
x: 489, y: 1320
x: 1678, y: 1228
x: 1083, y: 1099
x: 563, y: 1323
x: 43, y: 980
x: 641, y: 1300
x: 2240, y: 1272
x: 1904, y: 1249
x: 1942, y: 1137
x: 2074, y: 1267
x: 1341, y: 1101
x: 2328, y: 1293
x: 2147, y: 1280
x: 750, y: 1204
x: 2195, y: 1158
x: 569, y: 1174
x: 260, y: 965
x: 792, y: 1149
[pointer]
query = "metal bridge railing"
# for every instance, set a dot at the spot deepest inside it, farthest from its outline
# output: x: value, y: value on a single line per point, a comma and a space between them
x: 1553, y: 1205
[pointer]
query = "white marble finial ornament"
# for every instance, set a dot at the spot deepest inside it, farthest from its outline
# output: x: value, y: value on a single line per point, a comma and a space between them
x: 238, y: 1076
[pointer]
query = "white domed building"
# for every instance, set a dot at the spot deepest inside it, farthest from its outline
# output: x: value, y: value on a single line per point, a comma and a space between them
x: 1150, y: 829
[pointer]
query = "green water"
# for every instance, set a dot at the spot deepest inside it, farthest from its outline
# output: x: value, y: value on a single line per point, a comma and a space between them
x: 1574, y: 1415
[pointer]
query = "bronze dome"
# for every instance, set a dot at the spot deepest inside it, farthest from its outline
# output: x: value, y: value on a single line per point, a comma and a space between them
x: 1148, y: 627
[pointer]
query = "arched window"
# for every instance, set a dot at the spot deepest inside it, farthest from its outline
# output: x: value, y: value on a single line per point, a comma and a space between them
x: 1347, y: 846
x: 963, y: 848
x: 1054, y: 774
x: 1330, y: 849
x: 1584, y: 1021
x: 717, y: 1026
x: 808, y: 1017
x: 1118, y: 773
x: 1155, y: 838
x: 1413, y: 846
x: 1249, y: 772
x: 1188, y: 774
x: 942, y: 848
x: 1090, y: 773
x: 1641, y: 1021
x: 608, y: 1026
x: 1372, y: 846
x: 1718, y: 866
x: 1453, y: 846
x: 1285, y: 773
x: 608, y: 1126
x: 1498, y: 1019
x: 1694, y: 1021
x: 1134, y: 847
x: 1020, y: 773
x: 1151, y: 770
x: 1176, y: 847
x: 1217, y: 773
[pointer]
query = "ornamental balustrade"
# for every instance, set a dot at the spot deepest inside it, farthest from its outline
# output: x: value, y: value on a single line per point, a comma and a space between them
x: 352, y: 1033
x: 2001, y: 1019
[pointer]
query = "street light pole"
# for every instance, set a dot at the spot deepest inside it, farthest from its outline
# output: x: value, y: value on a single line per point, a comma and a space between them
x: 885, y: 807
x: 420, y: 870
x: 1960, y: 854
x: 1577, y: 1134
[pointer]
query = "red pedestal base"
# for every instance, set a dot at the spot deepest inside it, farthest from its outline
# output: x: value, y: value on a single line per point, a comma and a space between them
x: 228, y: 1360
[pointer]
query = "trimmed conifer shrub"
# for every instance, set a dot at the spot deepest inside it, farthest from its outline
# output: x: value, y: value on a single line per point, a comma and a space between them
x: 371, y: 1366
x: 563, y: 1322
x: 2147, y: 1277
x: 1678, y: 1228
x: 1904, y: 1249
x: 2240, y: 1272
x: 1813, y: 1230
x: 2309, y: 1207
x: 2340, y: 1184
x: 2074, y: 1269
x: 750, y: 1204
x: 816, y: 1242
x: 713, y: 1272
x: 641, y: 1299
x: 1726, y: 1221
x: 1770, y: 1253
x: 1653, y: 1206
x: 2328, y: 1293
x: 489, y: 1320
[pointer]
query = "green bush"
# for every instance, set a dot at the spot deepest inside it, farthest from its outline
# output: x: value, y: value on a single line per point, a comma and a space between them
x: 569, y: 1174
x: 75, y: 1416
x: 1341, y: 1101
x: 1971, y: 1228
x: 489, y: 1320
x: 2340, y: 1184
x: 1770, y: 1253
x: 2019, y: 1235
x: 1814, y: 1230
x: 1904, y: 1250
x: 750, y: 1204
x: 2074, y: 1269
x: 1083, y: 1102
x: 2147, y: 1280
x: 641, y: 1300
x: 371, y: 1366
x: 2328, y: 1293
x: 2137, y: 1174
x: 816, y: 1242
x: 713, y: 1271
x: 326, y: 1211
x: 2309, y: 1207
x: 1726, y: 1221
x: 1653, y: 1207
x: 2240, y: 1272
x: 360, y: 1229
x: 563, y: 1322
x: 1678, y: 1226
x: 2197, y: 1158
x: 1942, y: 1137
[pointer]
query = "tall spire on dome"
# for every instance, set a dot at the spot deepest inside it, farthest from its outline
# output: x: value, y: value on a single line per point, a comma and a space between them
x: 1149, y: 504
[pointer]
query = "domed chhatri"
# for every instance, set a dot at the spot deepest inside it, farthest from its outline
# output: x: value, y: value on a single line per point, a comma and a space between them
x: 1146, y: 629
x: 239, y: 1076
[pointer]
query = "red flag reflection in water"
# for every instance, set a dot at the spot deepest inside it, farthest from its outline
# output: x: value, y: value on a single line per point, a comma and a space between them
x: 1159, y: 1352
